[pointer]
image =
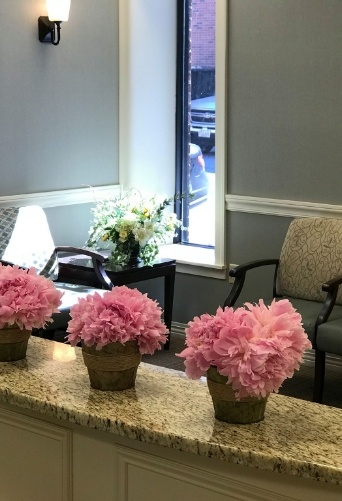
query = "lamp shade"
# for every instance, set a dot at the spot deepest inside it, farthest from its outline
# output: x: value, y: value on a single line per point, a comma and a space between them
x: 58, y: 10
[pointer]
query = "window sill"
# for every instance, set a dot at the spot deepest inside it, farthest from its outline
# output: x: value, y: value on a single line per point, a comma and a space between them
x: 194, y: 260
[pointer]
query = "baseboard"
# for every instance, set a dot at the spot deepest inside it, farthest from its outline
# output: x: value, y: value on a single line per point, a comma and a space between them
x: 333, y: 361
x: 178, y: 328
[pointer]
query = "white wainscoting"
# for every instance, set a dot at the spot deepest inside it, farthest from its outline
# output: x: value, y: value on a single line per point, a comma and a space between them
x: 278, y: 207
x: 60, y: 198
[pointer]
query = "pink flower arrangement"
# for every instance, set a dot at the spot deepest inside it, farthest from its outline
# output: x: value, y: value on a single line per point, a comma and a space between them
x: 119, y: 315
x: 26, y: 298
x: 255, y: 346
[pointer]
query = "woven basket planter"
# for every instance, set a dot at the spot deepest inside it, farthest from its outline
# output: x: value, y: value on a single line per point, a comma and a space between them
x: 13, y: 343
x: 114, y: 367
x: 244, y: 411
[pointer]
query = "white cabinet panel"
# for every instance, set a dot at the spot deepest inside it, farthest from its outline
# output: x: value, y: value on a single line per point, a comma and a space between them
x: 145, y: 477
x: 93, y: 466
x: 35, y: 459
x: 44, y: 461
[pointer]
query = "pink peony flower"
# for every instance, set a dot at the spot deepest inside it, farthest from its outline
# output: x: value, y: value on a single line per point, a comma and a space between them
x: 26, y: 299
x: 256, y: 347
x: 120, y: 315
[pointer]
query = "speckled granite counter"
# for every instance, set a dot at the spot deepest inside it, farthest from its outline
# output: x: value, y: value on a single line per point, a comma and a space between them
x: 298, y: 438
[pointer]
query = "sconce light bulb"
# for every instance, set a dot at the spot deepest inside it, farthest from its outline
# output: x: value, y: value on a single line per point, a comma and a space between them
x: 58, y: 10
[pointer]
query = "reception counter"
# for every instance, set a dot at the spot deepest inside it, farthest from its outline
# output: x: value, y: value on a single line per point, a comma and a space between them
x: 156, y: 440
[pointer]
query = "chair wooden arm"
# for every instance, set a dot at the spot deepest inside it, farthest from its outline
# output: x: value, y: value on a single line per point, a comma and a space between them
x: 332, y: 284
x: 331, y: 288
x: 242, y: 268
x: 239, y: 273
x: 6, y: 263
x: 9, y: 263
x: 81, y: 250
x: 97, y: 259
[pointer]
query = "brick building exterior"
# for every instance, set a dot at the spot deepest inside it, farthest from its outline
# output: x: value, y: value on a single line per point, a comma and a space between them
x: 203, y: 34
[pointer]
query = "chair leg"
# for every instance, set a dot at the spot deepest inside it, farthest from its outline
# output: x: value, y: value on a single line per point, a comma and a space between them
x: 319, y: 376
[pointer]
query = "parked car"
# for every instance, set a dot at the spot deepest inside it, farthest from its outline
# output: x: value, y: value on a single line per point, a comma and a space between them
x: 198, y: 179
x: 202, y: 122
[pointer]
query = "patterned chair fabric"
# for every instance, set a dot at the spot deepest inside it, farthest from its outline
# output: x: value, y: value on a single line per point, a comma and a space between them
x: 8, y: 217
x: 311, y: 255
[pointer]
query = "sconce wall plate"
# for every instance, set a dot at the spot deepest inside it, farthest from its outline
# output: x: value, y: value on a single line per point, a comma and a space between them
x: 46, y: 29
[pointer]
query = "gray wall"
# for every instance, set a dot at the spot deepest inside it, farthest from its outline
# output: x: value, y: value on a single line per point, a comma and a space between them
x: 59, y: 105
x: 285, y: 99
x: 70, y: 224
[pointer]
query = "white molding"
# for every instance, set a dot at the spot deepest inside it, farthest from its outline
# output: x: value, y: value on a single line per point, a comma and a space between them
x: 62, y: 197
x: 278, y: 207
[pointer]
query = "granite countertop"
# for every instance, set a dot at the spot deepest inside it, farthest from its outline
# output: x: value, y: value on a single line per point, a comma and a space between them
x: 166, y: 408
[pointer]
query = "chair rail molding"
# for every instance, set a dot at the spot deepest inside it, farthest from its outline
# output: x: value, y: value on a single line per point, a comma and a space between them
x: 278, y: 207
x: 46, y: 199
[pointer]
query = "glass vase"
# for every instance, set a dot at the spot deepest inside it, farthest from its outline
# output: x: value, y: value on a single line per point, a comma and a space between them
x: 134, y: 258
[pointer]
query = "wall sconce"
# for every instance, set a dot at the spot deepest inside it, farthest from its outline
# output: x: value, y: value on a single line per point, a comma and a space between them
x: 49, y: 27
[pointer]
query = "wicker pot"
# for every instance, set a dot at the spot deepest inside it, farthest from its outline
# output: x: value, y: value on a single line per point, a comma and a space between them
x: 114, y: 367
x: 13, y: 343
x: 244, y: 411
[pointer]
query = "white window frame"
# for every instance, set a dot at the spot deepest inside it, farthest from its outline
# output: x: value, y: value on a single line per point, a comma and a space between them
x: 144, y: 94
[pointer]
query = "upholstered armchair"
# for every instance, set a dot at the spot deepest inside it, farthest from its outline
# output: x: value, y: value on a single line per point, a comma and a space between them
x: 26, y: 241
x: 308, y: 273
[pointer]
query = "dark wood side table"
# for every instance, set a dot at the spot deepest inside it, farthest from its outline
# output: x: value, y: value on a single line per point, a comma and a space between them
x: 79, y: 270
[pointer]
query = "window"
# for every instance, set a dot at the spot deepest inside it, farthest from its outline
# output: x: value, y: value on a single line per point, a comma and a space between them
x: 195, y: 134
x: 147, y: 111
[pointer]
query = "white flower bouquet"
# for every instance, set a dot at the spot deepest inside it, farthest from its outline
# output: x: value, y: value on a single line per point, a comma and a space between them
x: 134, y: 225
